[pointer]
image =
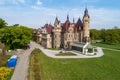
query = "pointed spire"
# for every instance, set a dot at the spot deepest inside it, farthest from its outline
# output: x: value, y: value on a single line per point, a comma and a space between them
x: 56, y: 19
x: 86, y: 12
x: 73, y: 20
x: 67, y: 17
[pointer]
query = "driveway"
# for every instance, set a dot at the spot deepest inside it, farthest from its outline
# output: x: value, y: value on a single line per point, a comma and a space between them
x: 21, y: 68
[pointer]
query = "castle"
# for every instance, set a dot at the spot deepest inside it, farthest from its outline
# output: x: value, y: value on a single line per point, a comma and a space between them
x: 62, y: 35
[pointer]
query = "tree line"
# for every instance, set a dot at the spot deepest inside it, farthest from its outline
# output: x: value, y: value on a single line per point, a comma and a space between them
x: 110, y: 36
x: 14, y: 36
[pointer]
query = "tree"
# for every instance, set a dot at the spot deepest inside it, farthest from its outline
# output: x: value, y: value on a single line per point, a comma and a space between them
x: 110, y: 36
x: 15, y: 37
x: 16, y: 25
x: 102, y: 34
x: 95, y: 34
x: 2, y: 23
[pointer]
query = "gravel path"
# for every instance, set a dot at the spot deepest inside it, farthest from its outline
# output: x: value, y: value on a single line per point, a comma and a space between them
x: 20, y: 71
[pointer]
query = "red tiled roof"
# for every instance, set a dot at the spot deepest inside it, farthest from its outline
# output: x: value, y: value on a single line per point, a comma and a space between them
x: 49, y: 28
x: 79, y: 25
x: 65, y: 26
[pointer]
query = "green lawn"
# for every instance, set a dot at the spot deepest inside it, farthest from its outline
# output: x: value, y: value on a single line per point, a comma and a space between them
x: 53, y: 48
x: 103, y: 68
x: 112, y: 46
x: 66, y: 54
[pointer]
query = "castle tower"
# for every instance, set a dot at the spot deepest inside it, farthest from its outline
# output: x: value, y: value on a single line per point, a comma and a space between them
x: 56, y: 21
x: 86, y: 26
x: 57, y: 34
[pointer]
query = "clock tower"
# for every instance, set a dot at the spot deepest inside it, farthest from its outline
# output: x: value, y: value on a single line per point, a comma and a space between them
x: 86, y: 26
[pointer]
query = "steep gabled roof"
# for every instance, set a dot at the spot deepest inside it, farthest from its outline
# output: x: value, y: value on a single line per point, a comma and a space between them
x: 79, y: 24
x: 49, y: 28
x: 66, y: 24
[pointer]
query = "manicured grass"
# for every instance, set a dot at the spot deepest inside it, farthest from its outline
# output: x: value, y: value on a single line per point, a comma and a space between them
x: 112, y: 46
x: 53, y: 48
x: 103, y: 68
x: 66, y: 54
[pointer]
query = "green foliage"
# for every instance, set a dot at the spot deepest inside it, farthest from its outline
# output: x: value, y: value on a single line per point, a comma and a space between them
x: 103, y: 68
x: 110, y: 36
x: 2, y: 23
x: 95, y: 34
x: 3, y: 63
x: 66, y: 54
x: 15, y: 37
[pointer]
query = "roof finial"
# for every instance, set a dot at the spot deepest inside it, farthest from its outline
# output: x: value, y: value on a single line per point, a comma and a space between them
x: 56, y: 18
x: 73, y: 20
x: 86, y: 11
x: 86, y: 5
x: 67, y: 16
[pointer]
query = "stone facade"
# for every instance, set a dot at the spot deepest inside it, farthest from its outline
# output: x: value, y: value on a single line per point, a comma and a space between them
x: 61, y: 35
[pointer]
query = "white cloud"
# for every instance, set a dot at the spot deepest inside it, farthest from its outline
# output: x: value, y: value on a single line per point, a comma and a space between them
x: 38, y: 15
x: 39, y: 2
x: 100, y: 17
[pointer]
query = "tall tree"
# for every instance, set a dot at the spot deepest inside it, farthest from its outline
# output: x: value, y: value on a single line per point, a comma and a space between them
x: 95, y: 34
x: 15, y: 37
x: 2, y: 23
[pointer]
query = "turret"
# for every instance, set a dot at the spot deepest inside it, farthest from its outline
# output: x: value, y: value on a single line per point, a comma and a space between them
x: 57, y: 34
x: 86, y: 26
x: 56, y: 21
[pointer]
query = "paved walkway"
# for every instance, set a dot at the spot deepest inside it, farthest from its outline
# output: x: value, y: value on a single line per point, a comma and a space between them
x: 51, y: 53
x: 20, y: 72
x: 21, y: 69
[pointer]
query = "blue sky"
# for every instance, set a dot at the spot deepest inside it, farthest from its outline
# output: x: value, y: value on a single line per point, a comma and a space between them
x: 35, y: 13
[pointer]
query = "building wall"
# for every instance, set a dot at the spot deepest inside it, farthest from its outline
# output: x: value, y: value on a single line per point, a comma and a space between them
x: 57, y: 35
x: 86, y: 24
x: 46, y: 41
x: 49, y: 41
x: 57, y: 38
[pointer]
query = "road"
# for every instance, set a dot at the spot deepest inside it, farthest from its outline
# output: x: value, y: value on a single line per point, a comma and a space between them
x: 21, y: 68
